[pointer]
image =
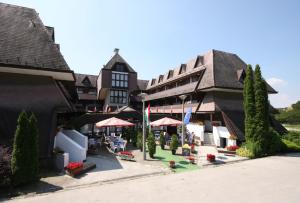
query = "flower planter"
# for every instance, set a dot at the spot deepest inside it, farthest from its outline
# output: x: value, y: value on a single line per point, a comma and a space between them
x: 210, y: 157
x: 126, y: 155
x: 74, y: 172
x: 192, y: 159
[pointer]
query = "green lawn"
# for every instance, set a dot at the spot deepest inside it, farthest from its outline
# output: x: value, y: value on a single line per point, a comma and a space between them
x: 182, y: 164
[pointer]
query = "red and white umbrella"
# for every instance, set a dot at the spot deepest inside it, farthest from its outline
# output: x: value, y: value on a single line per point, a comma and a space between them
x: 166, y: 122
x: 113, y: 122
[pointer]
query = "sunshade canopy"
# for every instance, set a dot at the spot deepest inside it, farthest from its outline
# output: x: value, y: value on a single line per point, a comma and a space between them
x: 113, y: 122
x: 166, y: 122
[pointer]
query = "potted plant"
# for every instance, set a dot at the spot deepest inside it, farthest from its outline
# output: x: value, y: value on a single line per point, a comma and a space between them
x: 162, y: 141
x: 174, y: 144
x: 210, y: 157
x: 126, y: 155
x: 151, y: 145
x: 172, y: 164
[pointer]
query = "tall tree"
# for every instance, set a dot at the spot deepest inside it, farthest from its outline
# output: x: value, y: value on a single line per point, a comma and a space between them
x: 34, y: 148
x: 249, y: 104
x: 262, y: 110
x: 19, y: 165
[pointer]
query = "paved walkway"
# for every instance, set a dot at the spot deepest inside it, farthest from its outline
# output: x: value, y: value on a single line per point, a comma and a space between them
x: 272, y: 179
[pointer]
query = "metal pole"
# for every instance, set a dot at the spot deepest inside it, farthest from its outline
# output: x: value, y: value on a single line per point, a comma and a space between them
x: 144, y: 137
x: 182, y: 130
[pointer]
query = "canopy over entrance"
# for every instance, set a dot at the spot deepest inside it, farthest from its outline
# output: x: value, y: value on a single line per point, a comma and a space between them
x: 113, y: 122
x: 166, y: 122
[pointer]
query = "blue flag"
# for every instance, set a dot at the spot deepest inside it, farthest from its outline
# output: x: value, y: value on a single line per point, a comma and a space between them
x: 187, y: 116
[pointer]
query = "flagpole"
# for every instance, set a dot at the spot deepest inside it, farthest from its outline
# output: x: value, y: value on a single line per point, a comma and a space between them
x: 182, y: 97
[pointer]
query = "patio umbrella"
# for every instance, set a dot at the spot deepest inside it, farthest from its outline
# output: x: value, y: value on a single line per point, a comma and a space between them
x: 166, y: 122
x: 113, y: 122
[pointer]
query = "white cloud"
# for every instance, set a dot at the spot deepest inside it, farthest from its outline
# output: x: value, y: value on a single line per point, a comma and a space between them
x: 276, y: 82
x: 281, y: 100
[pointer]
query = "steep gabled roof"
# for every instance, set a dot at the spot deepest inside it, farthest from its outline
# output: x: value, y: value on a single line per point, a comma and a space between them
x: 142, y: 84
x: 222, y: 70
x: 117, y: 59
x: 25, y: 41
x: 81, y: 77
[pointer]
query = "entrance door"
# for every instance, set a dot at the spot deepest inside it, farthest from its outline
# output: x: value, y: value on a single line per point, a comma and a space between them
x: 223, y: 142
x: 207, y: 126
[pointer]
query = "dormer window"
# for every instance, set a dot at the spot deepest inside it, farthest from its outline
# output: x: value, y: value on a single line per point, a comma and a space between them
x: 161, y: 77
x: 199, y: 61
x: 152, y: 82
x: 182, y: 68
x: 170, y: 74
x: 241, y: 75
x: 86, y: 82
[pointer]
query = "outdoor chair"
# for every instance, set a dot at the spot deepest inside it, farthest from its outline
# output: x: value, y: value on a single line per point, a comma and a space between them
x: 113, y: 147
x: 122, y: 145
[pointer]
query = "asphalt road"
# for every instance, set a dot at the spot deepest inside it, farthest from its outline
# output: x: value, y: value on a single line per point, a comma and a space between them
x: 271, y: 179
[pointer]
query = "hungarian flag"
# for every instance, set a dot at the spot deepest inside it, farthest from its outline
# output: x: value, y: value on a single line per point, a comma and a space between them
x: 188, y: 116
x: 147, y: 115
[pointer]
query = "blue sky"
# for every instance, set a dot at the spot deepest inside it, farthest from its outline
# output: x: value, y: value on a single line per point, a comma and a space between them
x: 154, y: 36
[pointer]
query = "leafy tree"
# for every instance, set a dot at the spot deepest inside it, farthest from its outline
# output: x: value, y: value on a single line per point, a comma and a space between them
x: 262, y: 113
x: 151, y: 145
x: 249, y: 104
x: 133, y: 136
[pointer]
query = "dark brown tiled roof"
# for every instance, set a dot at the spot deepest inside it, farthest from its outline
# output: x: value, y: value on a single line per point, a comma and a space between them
x: 24, y: 40
x: 142, y: 84
x: 117, y: 59
x: 80, y: 78
x: 221, y: 70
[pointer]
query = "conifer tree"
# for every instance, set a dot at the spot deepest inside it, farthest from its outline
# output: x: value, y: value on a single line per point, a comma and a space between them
x: 249, y: 104
x: 262, y: 111
x: 19, y: 165
x: 34, y: 148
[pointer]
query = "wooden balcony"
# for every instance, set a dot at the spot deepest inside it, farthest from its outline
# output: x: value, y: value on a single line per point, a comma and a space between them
x: 184, y: 89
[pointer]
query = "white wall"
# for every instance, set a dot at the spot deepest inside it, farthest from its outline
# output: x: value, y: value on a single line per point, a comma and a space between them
x: 197, y: 129
x: 76, y: 152
x: 77, y: 137
x: 221, y: 131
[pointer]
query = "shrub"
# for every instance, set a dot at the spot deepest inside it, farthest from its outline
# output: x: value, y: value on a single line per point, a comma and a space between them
x: 151, y: 145
x: 244, y: 152
x: 25, y: 155
x: 5, y: 170
x: 275, y: 144
x: 174, y: 142
x: 139, y: 141
x: 162, y: 140
x: 293, y: 136
x: 126, y: 133
x: 134, y: 137
x: 289, y: 146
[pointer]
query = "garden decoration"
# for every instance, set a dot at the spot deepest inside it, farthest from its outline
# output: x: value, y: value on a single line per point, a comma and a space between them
x: 126, y: 155
x: 172, y: 164
x: 210, y: 157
